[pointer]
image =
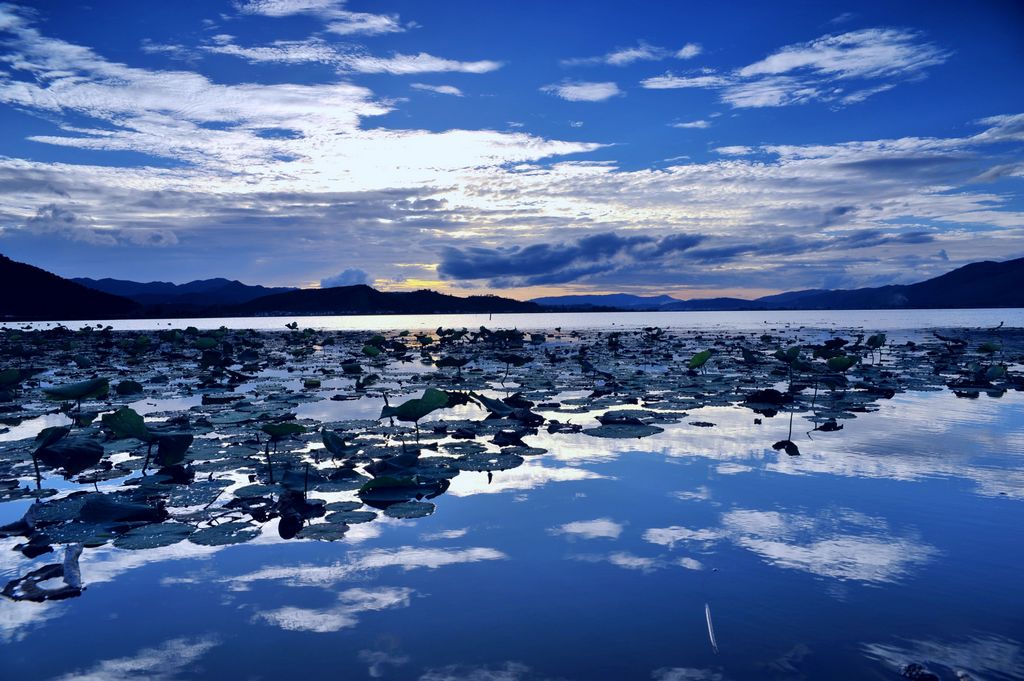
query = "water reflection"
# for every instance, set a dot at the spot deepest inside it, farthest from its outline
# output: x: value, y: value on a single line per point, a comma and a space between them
x: 295, y: 514
x: 162, y: 662
x: 342, y: 615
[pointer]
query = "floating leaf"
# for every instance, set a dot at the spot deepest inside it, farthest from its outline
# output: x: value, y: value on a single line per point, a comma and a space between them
x: 279, y: 431
x: 127, y: 423
x: 128, y: 388
x: 154, y: 535
x: 224, y: 534
x: 409, y: 509
x: 699, y: 359
x: 171, y: 448
x: 84, y: 390
x: 842, y: 362
x: 415, y: 409
x: 74, y: 456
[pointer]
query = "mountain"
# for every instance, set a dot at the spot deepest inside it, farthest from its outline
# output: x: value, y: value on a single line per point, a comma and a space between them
x: 980, y: 284
x: 622, y: 301
x: 199, y: 293
x: 362, y: 299
x: 31, y: 293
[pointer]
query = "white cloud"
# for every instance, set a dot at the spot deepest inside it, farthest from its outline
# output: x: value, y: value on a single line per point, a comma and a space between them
x: 673, y: 82
x: 352, y: 276
x: 347, y: 58
x: 868, y: 53
x: 623, y: 56
x: 819, y: 70
x: 601, y: 528
x: 689, y: 51
x: 699, y: 124
x: 438, y: 89
x: 339, y: 20
x: 403, y: 64
x: 584, y: 91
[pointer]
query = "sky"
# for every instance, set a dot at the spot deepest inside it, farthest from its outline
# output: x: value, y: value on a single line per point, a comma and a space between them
x: 519, y: 148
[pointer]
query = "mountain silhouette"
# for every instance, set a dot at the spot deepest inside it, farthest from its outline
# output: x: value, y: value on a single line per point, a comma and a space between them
x: 980, y: 284
x: 30, y: 293
x: 200, y: 293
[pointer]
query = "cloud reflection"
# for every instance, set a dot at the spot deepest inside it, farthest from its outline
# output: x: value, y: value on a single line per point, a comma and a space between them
x: 342, y: 615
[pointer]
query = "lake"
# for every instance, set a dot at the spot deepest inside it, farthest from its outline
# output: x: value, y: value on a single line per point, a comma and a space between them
x: 824, y: 319
x: 680, y: 540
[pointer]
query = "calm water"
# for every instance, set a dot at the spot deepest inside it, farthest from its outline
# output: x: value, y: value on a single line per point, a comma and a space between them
x: 880, y: 319
x: 897, y: 540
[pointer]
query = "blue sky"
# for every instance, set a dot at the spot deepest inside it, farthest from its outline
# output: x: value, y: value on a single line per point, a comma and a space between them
x: 522, y: 148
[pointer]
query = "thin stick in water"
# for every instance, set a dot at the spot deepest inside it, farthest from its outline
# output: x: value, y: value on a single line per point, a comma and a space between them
x: 711, y: 628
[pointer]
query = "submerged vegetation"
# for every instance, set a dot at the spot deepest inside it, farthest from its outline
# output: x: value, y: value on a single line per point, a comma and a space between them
x: 149, y: 439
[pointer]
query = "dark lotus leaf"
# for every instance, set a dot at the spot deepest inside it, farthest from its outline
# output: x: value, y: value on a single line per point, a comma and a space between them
x: 496, y: 407
x: 154, y: 535
x: 435, y: 468
x: 279, y: 431
x: 234, y: 532
x: 27, y: 588
x: 787, y: 445
x: 409, y: 510
x: 324, y: 531
x: 15, y: 493
x: 51, y: 435
x: 829, y: 426
x: 486, y: 461
x: 464, y: 447
x: 257, y: 490
x: 623, y: 417
x: 127, y: 423
x: 351, y: 517
x: 388, y: 490
x: 106, y: 508
x: 73, y: 455
x: 524, y: 451
x: 623, y: 431
x: 341, y: 506
x: 340, y: 484
x: 197, y: 494
x: 57, y: 510
x: 171, y: 448
x: 335, y: 444
x: 97, y: 387
x: 769, y: 396
x: 88, y: 533
x: 128, y: 387
x: 100, y: 476
x: 415, y: 409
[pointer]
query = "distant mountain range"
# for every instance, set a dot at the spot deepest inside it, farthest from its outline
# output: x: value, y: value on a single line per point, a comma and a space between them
x: 200, y: 293
x: 980, y: 284
x: 29, y: 293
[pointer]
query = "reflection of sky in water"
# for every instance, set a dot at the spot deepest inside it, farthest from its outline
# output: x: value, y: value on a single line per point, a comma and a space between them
x: 891, y: 542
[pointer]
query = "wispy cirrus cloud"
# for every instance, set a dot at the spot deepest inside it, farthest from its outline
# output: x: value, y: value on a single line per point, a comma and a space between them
x: 339, y: 20
x: 844, y: 68
x: 580, y: 91
x: 438, y: 89
x: 346, y: 58
x: 642, y: 51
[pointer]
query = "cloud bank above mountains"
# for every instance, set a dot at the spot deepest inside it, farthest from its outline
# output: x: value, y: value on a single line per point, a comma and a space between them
x: 288, y: 160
